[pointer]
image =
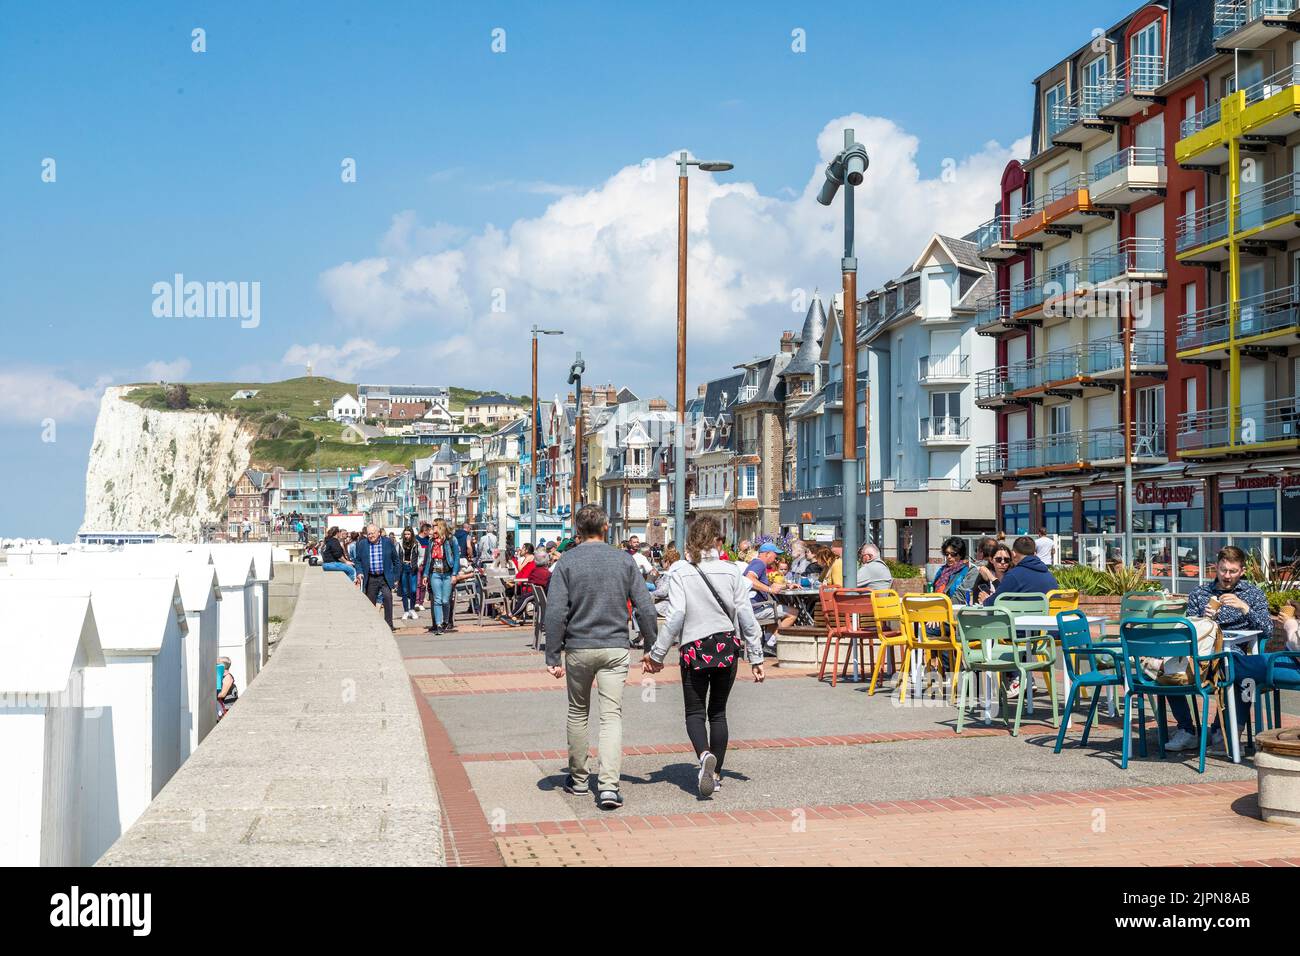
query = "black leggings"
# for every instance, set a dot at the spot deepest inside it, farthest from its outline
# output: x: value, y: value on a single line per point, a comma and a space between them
x: 715, y: 685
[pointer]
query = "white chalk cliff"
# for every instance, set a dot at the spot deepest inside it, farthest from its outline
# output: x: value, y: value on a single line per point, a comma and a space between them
x: 161, y: 471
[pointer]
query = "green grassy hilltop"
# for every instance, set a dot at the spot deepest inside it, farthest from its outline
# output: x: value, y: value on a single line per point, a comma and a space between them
x: 281, y: 413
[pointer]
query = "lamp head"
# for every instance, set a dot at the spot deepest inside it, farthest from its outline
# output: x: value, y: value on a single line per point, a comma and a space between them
x: 716, y: 167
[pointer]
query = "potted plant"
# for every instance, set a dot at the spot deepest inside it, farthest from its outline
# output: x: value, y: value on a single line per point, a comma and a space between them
x: 908, y: 579
x: 1101, y: 593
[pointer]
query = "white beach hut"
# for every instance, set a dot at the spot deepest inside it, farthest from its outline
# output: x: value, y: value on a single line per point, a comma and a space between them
x: 46, y: 650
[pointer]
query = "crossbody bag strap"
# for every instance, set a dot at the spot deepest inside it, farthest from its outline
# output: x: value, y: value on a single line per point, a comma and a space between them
x: 712, y: 590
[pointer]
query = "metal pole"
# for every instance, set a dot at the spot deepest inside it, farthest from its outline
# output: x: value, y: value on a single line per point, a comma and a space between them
x: 532, y: 444
x: 1128, y: 431
x: 849, y: 267
x: 575, y: 501
x: 319, y: 516
x: 679, y: 433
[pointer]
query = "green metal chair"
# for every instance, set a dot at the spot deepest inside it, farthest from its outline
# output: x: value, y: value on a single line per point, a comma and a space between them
x: 1022, y: 603
x: 989, y: 645
x: 1141, y: 604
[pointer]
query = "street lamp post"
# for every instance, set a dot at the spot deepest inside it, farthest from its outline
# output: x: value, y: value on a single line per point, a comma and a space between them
x: 319, y: 517
x: 679, y: 433
x: 847, y: 169
x: 575, y: 496
x: 532, y: 430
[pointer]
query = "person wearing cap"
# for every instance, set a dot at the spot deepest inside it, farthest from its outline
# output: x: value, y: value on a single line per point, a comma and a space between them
x: 763, y: 595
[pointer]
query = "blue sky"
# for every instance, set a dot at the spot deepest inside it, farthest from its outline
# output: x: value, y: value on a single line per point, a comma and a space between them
x: 476, y: 170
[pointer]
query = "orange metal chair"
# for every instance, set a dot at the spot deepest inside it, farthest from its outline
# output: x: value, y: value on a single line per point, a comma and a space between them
x: 920, y: 610
x: 839, y: 606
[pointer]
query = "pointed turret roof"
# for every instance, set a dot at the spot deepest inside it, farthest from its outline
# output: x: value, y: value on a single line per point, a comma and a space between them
x: 810, y: 341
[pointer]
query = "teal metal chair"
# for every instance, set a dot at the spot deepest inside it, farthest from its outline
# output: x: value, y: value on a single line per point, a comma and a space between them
x: 989, y: 645
x: 1160, y: 638
x: 1076, y: 644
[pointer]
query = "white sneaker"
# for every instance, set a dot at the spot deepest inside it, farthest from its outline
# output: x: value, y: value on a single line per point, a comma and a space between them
x: 1181, y: 740
x: 1013, y: 689
x: 707, y: 782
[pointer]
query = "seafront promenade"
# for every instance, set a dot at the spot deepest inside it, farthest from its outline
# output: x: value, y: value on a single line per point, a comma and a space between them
x: 355, y: 745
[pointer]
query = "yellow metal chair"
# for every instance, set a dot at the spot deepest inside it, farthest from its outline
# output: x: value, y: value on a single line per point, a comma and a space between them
x: 920, y: 610
x: 891, y: 630
x: 1062, y: 599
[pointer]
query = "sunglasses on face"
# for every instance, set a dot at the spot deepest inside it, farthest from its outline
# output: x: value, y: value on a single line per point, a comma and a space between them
x: 950, y: 554
x: 1001, y: 560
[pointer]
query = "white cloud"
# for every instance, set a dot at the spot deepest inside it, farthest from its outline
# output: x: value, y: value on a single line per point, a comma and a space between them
x: 601, y: 263
x: 28, y: 396
x: 173, y: 371
x: 339, y: 361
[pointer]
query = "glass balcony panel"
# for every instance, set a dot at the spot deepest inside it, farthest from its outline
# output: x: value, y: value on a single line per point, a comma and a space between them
x: 1132, y: 156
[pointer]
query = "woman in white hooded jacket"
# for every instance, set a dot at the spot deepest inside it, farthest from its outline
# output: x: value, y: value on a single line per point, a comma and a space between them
x: 710, y: 616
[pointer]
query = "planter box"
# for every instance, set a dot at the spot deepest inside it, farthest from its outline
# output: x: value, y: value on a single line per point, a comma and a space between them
x: 799, y: 652
x: 910, y: 585
x: 1100, y: 606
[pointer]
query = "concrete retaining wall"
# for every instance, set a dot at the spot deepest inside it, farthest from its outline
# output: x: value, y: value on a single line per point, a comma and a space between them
x: 321, y: 762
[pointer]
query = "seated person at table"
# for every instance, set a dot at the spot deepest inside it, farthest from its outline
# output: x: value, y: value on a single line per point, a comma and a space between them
x: 950, y: 579
x: 991, y: 573
x: 873, y: 573
x: 537, y: 573
x: 761, y: 589
x: 1235, y: 604
x: 1028, y: 574
x: 778, y: 575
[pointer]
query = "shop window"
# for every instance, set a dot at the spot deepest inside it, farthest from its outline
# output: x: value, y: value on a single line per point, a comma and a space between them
x: 1015, y: 519
x: 1249, y: 510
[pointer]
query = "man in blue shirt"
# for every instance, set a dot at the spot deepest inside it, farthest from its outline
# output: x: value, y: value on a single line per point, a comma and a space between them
x: 1235, y: 604
x: 763, y: 596
x: 1028, y: 574
x: 378, y: 562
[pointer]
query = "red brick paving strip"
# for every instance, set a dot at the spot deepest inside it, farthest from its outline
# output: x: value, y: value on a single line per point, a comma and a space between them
x: 467, y: 839
x: 840, y: 740
x: 1199, y: 824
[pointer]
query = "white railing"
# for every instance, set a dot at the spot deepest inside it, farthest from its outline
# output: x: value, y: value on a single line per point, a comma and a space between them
x: 1182, y: 562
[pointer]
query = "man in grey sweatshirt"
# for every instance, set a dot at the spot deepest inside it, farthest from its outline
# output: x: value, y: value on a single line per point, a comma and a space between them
x: 586, y: 621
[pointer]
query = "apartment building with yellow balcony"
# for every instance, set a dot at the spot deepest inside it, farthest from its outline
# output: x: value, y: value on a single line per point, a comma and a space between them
x: 1242, y: 133
x: 1086, y: 278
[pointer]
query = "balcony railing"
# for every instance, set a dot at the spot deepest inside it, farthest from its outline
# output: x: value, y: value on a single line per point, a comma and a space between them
x: 812, y: 494
x: 835, y: 390
x: 1054, y: 194
x: 945, y: 428
x: 1088, y: 446
x: 1055, y: 281
x: 991, y: 459
x: 1107, y: 355
x: 710, y: 501
x: 747, y: 446
x: 1140, y: 75
x: 994, y: 308
x: 1232, y: 15
x: 1205, y: 225
x: 1202, y: 120
x: 989, y: 234
x: 747, y: 393
x: 1273, y: 200
x: 920, y: 484
x: 1255, y: 315
x: 1278, y: 420
x: 942, y: 367
x: 833, y: 445
x: 1132, y: 156
x: 1132, y: 255
x: 1081, y: 106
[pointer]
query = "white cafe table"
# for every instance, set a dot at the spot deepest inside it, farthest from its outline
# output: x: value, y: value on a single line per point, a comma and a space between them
x: 1047, y: 622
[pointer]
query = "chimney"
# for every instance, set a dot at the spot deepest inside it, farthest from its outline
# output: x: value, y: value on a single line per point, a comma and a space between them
x: 701, y: 391
x: 787, y: 342
x: 611, y: 395
x: 570, y: 399
x: 658, y: 405
x: 586, y: 394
